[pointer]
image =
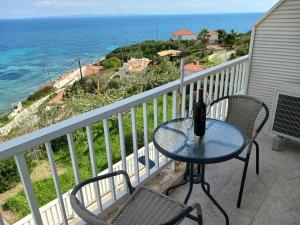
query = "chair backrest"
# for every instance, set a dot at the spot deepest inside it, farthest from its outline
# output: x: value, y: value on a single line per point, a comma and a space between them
x: 243, y: 111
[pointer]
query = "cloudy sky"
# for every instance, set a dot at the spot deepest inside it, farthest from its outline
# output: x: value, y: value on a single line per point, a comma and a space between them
x: 46, y: 8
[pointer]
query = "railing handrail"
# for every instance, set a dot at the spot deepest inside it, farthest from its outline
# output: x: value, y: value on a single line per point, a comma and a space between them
x: 35, y: 138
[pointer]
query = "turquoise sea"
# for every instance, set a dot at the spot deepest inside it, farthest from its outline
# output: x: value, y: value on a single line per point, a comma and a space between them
x: 28, y: 47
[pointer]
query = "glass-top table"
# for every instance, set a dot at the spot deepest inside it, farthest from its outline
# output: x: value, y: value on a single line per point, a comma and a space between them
x: 221, y: 142
x: 176, y: 140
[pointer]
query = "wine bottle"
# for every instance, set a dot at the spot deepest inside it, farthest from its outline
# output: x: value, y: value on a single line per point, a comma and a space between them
x: 199, y: 115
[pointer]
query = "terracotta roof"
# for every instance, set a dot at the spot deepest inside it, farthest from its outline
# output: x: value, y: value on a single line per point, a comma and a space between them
x: 183, y: 32
x: 90, y: 70
x: 58, y: 99
x: 194, y: 67
x: 213, y: 32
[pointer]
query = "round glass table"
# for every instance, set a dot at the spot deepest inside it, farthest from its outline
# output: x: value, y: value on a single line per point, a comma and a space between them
x: 221, y: 142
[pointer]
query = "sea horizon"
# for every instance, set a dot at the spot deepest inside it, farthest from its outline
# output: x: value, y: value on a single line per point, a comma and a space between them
x: 31, y: 46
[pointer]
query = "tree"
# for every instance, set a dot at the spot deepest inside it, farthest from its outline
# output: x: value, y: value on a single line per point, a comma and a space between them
x: 111, y: 63
x: 222, y: 35
x: 230, y: 39
x: 204, y: 38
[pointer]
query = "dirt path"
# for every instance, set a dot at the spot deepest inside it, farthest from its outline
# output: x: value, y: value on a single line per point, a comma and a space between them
x: 40, y: 172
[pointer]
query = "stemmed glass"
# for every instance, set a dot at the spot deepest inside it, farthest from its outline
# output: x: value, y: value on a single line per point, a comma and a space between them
x: 189, y: 123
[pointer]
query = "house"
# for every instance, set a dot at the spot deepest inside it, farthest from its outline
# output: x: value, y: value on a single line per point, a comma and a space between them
x: 184, y: 34
x: 134, y: 65
x: 193, y: 67
x: 213, y: 37
x: 173, y: 54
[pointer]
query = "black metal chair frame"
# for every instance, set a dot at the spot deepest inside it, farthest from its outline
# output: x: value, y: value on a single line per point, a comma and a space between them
x: 250, y: 142
x: 92, y: 219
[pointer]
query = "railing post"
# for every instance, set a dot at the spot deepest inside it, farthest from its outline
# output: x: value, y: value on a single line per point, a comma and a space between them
x: 90, y: 140
x: 56, y: 183
x: 25, y: 179
x: 122, y: 147
x: 109, y: 158
x: 146, y: 139
x: 74, y: 164
x: 135, y: 146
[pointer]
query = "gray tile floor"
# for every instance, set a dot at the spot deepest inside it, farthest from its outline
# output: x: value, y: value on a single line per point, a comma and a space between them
x: 271, y: 198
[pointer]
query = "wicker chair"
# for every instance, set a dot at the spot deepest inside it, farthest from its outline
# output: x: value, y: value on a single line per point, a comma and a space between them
x: 144, y: 207
x: 242, y: 112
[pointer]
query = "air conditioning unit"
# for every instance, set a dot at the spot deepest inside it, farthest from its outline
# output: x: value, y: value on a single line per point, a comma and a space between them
x: 285, y: 120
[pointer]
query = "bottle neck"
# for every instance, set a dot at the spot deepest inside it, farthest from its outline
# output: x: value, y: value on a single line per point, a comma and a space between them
x: 200, y: 95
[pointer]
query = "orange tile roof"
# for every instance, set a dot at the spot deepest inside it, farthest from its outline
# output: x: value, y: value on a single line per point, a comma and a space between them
x: 92, y: 70
x: 183, y: 32
x: 193, y: 67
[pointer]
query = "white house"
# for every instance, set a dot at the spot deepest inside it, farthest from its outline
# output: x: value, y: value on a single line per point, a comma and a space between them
x: 184, y: 35
x: 213, y: 37
x: 275, y: 51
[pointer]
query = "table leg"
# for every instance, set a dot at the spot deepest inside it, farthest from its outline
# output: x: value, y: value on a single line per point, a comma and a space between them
x: 191, y: 173
x: 207, y: 192
x: 183, y: 182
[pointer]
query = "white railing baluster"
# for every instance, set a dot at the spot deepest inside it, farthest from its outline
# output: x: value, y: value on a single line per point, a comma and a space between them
x: 183, y: 103
x: 231, y: 82
x: 109, y: 158
x: 90, y: 140
x: 198, y: 87
x: 56, y: 183
x: 191, y: 99
x: 216, y: 89
x: 205, y: 89
x: 244, y: 78
x: 236, y: 75
x: 25, y: 179
x: 74, y: 164
x: 135, y: 146
x: 47, y: 219
x: 165, y: 107
x: 240, y: 78
x: 210, y: 97
x: 221, y: 94
x: 174, y: 104
x: 155, y: 114
x: 146, y: 138
x: 122, y: 147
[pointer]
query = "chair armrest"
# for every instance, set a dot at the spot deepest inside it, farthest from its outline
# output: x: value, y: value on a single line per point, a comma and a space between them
x: 185, y: 213
x: 81, y: 210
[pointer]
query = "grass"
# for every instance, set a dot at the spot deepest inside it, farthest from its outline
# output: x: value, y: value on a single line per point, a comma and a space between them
x: 44, y: 189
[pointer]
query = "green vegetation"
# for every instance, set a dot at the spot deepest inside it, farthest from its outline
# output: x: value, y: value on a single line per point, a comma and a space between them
x: 99, y: 90
x: 4, y: 119
x: 36, y: 96
x: 111, y: 63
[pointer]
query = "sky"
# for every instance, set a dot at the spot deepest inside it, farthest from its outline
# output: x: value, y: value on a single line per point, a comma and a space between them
x: 11, y: 9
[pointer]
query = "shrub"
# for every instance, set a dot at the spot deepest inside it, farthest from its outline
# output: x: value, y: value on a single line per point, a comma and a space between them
x: 111, y: 63
x: 36, y: 96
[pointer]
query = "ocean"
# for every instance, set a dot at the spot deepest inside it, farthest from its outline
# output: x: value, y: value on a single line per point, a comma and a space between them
x: 30, y: 47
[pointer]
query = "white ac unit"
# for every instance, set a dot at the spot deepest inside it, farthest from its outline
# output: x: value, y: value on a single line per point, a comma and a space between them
x: 285, y: 119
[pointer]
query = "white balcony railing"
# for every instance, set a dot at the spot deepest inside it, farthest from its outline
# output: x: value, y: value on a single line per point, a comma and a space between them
x: 228, y: 78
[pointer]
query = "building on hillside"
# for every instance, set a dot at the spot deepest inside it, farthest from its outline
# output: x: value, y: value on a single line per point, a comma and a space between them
x: 134, y: 65
x: 213, y: 37
x: 91, y: 70
x: 184, y: 34
x: 173, y: 54
x: 193, y: 67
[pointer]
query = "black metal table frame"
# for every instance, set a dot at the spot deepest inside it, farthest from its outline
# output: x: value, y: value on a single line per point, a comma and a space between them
x: 199, y: 177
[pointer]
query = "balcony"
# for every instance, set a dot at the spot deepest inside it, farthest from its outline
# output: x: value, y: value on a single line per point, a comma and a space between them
x: 270, y: 198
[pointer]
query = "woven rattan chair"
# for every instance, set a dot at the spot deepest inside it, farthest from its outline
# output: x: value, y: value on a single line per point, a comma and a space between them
x: 242, y: 112
x: 144, y: 207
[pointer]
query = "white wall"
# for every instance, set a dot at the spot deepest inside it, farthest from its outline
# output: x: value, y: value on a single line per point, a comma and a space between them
x: 275, y: 56
x: 185, y: 37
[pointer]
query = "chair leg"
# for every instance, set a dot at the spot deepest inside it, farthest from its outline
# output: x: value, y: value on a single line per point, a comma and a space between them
x: 200, y: 220
x: 243, y: 180
x: 257, y: 156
